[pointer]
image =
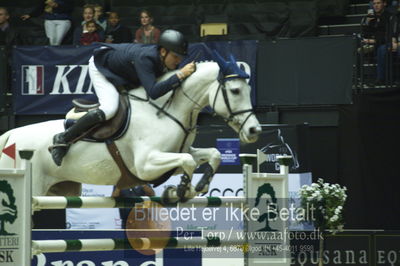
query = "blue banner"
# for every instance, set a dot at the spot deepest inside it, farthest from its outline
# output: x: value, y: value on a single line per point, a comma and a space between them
x: 47, y: 78
x: 229, y: 149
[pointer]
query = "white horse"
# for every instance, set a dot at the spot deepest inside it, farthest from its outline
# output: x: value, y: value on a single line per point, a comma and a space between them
x: 155, y: 143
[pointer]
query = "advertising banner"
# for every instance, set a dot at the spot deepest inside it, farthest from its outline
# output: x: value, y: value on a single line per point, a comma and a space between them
x: 47, y: 78
x: 229, y: 149
x: 104, y: 218
x: 109, y: 258
x: 284, y: 140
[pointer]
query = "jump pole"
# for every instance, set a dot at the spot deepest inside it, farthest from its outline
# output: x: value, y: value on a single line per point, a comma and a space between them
x: 56, y: 202
x: 107, y: 244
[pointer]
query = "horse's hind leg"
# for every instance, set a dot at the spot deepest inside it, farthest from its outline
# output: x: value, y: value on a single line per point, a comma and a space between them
x: 158, y: 163
x: 212, y: 157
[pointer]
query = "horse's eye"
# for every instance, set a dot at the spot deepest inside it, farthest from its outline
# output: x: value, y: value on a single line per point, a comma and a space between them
x: 235, y: 91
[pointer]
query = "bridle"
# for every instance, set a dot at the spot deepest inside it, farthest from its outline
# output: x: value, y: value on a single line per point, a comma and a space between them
x: 221, y: 87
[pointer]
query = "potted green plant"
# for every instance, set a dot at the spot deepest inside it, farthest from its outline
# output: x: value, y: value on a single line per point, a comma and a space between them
x: 326, y: 201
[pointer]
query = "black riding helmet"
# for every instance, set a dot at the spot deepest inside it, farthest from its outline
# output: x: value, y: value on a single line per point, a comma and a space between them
x: 174, y: 41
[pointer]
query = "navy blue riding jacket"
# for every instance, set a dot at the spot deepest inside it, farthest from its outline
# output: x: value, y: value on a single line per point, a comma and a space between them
x: 134, y: 64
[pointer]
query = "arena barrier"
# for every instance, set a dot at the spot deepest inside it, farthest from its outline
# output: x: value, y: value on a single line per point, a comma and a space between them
x: 15, y: 233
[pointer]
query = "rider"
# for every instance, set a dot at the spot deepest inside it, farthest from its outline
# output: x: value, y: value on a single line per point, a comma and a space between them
x: 114, y: 65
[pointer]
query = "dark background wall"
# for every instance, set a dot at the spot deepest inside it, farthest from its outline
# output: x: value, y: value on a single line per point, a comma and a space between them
x: 369, y: 143
x: 305, y: 71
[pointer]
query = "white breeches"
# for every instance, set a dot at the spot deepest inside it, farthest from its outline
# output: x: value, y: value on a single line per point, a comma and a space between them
x: 56, y: 30
x: 105, y: 91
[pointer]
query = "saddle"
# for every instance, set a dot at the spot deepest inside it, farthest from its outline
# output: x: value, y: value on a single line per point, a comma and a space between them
x: 109, y: 131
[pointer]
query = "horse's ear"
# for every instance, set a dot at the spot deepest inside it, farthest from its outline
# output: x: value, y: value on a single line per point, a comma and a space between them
x: 219, y: 59
x: 233, y: 59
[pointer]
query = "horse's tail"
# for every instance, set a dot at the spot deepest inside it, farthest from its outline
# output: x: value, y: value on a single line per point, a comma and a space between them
x: 3, y: 141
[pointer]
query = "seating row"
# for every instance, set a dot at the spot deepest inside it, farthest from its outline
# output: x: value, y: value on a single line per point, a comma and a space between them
x: 116, y: 3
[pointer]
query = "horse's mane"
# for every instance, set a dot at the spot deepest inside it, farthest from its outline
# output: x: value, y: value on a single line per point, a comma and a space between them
x: 204, y: 66
x: 204, y: 70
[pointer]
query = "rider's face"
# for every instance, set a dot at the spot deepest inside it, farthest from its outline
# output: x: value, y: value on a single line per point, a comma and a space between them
x: 171, y: 60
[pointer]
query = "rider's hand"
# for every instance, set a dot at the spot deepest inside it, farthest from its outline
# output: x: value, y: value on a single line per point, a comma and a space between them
x: 188, y: 69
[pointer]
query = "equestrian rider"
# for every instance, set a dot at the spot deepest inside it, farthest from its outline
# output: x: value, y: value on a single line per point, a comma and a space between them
x: 114, y: 65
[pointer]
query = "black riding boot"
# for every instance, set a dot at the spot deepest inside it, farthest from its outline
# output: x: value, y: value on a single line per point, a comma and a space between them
x: 62, y: 141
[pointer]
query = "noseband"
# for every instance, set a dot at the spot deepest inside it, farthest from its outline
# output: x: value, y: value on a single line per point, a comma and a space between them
x: 230, y: 118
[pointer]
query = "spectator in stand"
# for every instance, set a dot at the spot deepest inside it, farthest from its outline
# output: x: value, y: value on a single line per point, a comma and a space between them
x: 57, y: 18
x: 88, y: 15
x: 8, y: 37
x: 147, y: 33
x: 99, y: 16
x: 379, y: 32
x: 91, y: 35
x: 8, y: 34
x: 115, y: 32
x: 392, y: 6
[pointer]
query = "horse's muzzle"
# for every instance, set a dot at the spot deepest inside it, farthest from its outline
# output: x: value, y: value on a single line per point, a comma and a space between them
x: 250, y: 135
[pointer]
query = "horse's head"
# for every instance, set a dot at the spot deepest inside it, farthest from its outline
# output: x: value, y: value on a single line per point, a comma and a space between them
x: 232, y: 101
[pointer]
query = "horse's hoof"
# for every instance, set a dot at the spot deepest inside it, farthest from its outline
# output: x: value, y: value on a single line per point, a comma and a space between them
x: 184, y: 187
x: 181, y: 193
x: 204, y: 191
x: 167, y: 198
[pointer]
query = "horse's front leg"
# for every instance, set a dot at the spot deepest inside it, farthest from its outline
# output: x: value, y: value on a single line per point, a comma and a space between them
x: 212, y: 157
x: 158, y: 163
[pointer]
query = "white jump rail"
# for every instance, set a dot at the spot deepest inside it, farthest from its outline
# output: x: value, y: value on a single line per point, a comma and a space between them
x: 55, y: 202
x: 107, y: 244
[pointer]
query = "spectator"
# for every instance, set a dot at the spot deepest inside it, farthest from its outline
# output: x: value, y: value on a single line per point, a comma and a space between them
x: 147, y: 33
x: 392, y: 5
x: 8, y: 34
x: 378, y: 30
x: 57, y: 18
x: 99, y: 16
x: 88, y: 15
x: 115, y: 32
x: 8, y: 37
x: 91, y: 35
